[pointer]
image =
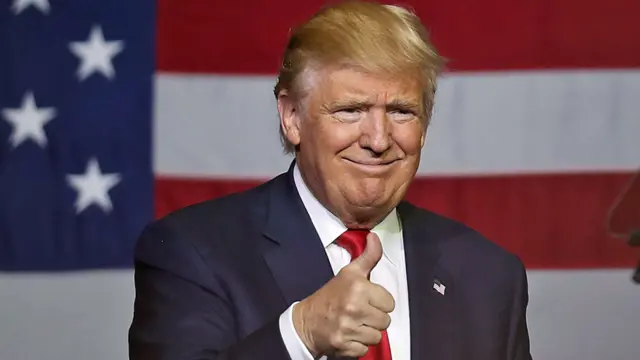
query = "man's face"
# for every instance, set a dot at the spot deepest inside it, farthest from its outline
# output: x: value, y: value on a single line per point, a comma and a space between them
x: 359, y: 138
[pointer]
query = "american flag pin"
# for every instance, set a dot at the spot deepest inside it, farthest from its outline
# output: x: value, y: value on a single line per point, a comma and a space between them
x: 438, y: 286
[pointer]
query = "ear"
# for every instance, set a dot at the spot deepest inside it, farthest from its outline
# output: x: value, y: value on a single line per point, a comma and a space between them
x: 289, y: 117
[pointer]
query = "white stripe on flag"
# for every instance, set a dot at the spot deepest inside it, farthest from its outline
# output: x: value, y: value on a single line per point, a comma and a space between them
x: 504, y: 122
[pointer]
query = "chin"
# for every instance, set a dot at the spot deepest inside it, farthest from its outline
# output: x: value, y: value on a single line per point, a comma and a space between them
x: 370, y: 193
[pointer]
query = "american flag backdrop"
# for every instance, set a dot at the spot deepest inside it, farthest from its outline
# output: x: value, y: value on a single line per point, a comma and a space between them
x: 115, y: 112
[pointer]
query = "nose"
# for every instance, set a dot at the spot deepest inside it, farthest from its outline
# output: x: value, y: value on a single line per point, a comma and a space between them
x: 376, y: 131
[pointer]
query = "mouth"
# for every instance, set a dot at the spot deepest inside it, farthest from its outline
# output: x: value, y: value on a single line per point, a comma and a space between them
x: 371, y: 164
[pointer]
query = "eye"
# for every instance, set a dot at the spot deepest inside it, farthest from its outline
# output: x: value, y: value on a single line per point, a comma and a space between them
x: 348, y: 114
x: 401, y: 114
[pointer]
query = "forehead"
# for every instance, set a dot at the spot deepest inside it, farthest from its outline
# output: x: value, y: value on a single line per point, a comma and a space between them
x: 351, y: 84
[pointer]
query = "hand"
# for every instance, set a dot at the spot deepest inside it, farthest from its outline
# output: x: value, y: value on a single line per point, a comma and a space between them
x: 349, y: 312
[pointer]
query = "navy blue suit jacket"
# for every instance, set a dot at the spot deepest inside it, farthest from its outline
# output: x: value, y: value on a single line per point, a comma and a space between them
x: 212, y: 280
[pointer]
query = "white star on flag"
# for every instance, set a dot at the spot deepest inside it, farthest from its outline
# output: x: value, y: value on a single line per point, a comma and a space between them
x: 28, y: 121
x: 96, y: 54
x: 93, y: 187
x: 20, y: 5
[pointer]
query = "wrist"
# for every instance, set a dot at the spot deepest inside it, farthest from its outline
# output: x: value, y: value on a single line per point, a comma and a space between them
x: 299, y: 324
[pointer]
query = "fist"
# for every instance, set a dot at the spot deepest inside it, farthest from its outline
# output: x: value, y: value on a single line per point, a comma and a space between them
x: 346, y: 315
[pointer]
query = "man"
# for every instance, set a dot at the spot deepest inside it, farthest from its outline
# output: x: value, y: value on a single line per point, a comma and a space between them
x: 327, y: 260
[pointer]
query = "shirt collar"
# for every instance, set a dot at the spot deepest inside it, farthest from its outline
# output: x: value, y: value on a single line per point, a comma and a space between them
x: 329, y: 227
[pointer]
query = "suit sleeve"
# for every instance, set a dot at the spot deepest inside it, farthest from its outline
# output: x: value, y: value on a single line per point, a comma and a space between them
x: 519, y: 343
x: 181, y: 312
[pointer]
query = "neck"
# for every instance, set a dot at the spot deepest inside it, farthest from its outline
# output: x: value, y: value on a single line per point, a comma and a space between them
x: 362, y: 219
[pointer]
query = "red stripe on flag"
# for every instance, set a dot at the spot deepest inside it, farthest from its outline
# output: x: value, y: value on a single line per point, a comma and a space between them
x: 249, y: 36
x: 551, y: 221
x: 624, y: 217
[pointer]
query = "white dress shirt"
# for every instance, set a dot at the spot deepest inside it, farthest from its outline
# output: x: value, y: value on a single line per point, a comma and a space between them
x: 390, y: 273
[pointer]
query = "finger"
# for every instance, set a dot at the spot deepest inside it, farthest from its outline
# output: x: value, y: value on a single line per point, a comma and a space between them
x: 370, y: 256
x: 380, y: 298
x: 366, y: 335
x: 376, y: 319
x: 353, y: 349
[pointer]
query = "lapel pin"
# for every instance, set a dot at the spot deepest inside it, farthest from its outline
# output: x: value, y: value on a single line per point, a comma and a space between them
x: 438, y: 286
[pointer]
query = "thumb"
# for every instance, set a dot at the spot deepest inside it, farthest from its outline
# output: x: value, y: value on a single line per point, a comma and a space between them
x: 370, y: 256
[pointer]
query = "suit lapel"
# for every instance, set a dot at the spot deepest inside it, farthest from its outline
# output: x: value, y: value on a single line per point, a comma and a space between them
x: 299, y: 263
x: 433, y: 316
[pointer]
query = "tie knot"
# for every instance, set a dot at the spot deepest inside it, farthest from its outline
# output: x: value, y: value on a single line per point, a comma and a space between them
x: 354, y: 241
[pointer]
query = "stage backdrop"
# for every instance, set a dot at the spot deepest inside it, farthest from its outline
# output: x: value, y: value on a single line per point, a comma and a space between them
x: 114, y: 112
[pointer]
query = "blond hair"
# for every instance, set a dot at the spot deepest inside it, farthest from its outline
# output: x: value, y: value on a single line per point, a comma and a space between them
x: 365, y: 35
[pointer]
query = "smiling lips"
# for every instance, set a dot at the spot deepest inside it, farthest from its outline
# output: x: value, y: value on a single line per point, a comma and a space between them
x: 374, y: 165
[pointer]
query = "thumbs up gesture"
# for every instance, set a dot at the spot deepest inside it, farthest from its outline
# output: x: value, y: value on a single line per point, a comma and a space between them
x: 346, y: 315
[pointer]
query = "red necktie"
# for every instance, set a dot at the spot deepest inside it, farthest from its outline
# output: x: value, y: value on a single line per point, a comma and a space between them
x: 354, y: 241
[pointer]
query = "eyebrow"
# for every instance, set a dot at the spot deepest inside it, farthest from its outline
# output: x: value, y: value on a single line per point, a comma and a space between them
x: 395, y: 104
x: 404, y: 104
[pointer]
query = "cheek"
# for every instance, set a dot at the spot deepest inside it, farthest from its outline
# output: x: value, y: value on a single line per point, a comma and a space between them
x: 332, y: 137
x: 409, y: 139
